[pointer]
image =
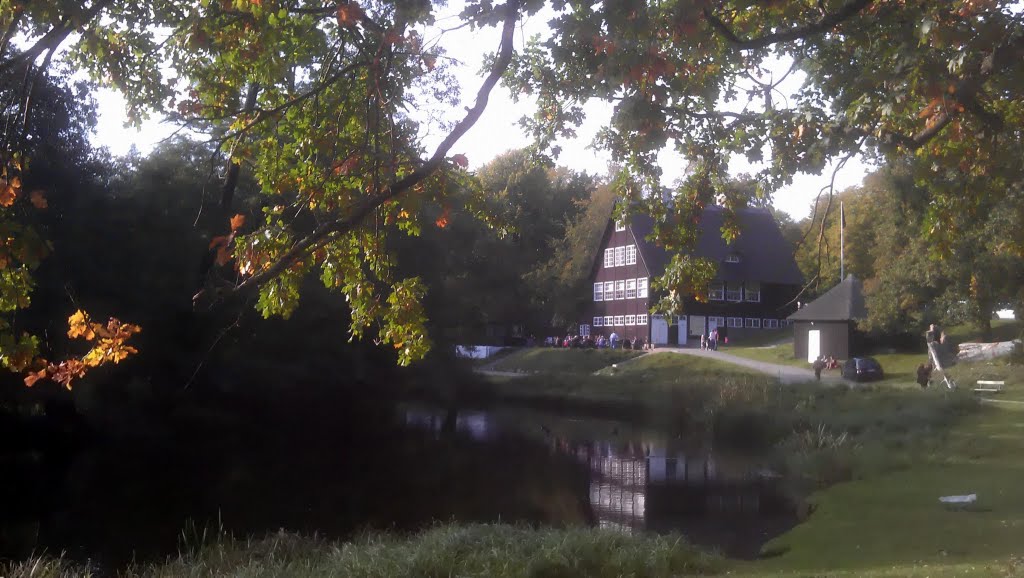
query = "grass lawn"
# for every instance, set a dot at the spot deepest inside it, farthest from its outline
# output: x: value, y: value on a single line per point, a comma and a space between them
x: 893, y: 524
x: 557, y: 360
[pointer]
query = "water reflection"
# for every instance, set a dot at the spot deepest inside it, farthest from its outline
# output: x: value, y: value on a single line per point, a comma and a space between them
x: 641, y: 480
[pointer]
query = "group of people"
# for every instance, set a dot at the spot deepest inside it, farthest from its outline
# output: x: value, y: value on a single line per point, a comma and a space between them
x: 824, y: 362
x: 709, y: 340
x: 613, y: 341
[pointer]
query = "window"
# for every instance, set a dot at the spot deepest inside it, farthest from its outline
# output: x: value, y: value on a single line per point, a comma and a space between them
x: 753, y: 323
x: 584, y: 330
x: 732, y: 258
x: 771, y: 324
x: 753, y: 291
x: 608, y: 320
x: 716, y: 292
x: 609, y: 290
x: 609, y: 257
x: 631, y: 320
x: 619, y: 320
x: 598, y: 291
x: 641, y: 319
x: 631, y: 254
x: 733, y: 292
x: 630, y: 288
x: 620, y: 256
x: 736, y: 322
x: 620, y: 226
x: 620, y: 289
x: 641, y: 288
x: 716, y: 321
x: 598, y: 321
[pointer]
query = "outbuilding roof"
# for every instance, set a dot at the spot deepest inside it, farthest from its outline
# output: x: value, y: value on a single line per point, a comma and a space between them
x: 844, y: 302
x: 760, y: 252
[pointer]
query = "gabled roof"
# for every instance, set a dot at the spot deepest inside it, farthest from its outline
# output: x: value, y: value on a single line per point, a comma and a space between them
x: 844, y: 302
x: 764, y: 254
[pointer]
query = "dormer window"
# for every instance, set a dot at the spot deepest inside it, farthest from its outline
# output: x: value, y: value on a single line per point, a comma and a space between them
x: 732, y: 258
x: 620, y: 225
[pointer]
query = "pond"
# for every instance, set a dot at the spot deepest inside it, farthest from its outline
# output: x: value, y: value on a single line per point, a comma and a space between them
x: 399, y: 468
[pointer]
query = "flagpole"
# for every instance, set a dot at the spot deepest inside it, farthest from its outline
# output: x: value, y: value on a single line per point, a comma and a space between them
x: 842, y: 230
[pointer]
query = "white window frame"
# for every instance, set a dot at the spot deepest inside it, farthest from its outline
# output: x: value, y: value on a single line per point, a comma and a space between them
x: 619, y: 320
x: 598, y: 291
x: 609, y: 290
x: 716, y: 291
x: 641, y: 288
x: 752, y: 291
x: 631, y: 320
x: 631, y: 254
x: 753, y: 323
x: 719, y: 321
x: 598, y: 321
x: 620, y: 289
x: 732, y: 258
x: 584, y: 330
x: 630, y: 288
x: 609, y: 320
x: 641, y: 319
x: 620, y: 225
x: 770, y: 323
x: 620, y: 256
x: 735, y: 322
x: 609, y: 257
x: 733, y: 295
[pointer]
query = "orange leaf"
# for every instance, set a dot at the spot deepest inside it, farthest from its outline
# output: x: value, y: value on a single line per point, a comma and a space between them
x: 223, y: 256
x: 38, y: 199
x: 7, y: 196
x: 429, y: 60
x: 442, y: 221
x: 33, y: 377
x: 461, y: 160
x: 237, y: 221
x: 221, y: 241
x: 348, y: 13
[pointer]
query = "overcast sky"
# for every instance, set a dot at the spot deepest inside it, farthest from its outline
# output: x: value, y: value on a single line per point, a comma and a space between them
x: 497, y: 130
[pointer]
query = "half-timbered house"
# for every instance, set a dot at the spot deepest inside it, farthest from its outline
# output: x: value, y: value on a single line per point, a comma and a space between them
x: 756, y: 283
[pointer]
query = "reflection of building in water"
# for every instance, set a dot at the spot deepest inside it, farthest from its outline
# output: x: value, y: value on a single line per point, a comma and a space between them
x: 473, y: 423
x: 636, y: 488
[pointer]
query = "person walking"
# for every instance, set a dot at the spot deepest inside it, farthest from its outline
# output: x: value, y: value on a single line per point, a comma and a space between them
x: 818, y: 365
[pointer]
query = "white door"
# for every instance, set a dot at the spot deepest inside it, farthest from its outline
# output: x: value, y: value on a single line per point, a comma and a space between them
x: 813, y: 345
x: 659, y: 330
x: 697, y: 325
x: 682, y: 331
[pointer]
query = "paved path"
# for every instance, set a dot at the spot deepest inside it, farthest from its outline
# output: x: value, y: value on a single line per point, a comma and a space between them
x: 785, y: 373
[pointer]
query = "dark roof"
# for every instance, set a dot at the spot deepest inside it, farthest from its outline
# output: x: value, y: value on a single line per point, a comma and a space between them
x: 764, y: 254
x: 844, y: 302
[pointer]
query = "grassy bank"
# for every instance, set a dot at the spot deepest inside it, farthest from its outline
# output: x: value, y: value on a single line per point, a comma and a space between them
x: 471, y: 550
x: 555, y: 360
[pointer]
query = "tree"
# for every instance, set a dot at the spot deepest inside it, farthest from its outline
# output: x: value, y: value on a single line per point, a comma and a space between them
x: 930, y: 81
x: 310, y: 96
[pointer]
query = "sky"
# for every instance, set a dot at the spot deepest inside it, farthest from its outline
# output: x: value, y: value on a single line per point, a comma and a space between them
x: 497, y: 130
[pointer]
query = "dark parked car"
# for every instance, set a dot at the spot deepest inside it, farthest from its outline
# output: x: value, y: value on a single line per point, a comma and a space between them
x: 862, y: 369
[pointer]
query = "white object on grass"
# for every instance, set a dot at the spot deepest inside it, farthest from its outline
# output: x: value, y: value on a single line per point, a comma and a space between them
x: 968, y: 499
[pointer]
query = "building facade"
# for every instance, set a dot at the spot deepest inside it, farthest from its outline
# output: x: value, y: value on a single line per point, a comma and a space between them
x: 756, y: 283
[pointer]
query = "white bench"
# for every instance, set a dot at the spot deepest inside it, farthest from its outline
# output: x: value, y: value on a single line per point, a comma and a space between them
x: 989, y: 386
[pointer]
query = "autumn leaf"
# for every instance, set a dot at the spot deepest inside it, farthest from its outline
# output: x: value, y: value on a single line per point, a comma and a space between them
x: 237, y: 221
x: 429, y: 60
x: 221, y: 241
x: 38, y: 199
x: 7, y: 196
x: 348, y: 13
x: 442, y: 221
x: 461, y: 160
x: 223, y: 256
x: 34, y: 376
x: 79, y: 326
